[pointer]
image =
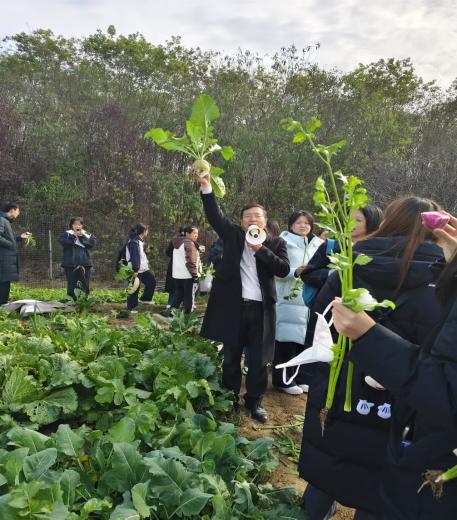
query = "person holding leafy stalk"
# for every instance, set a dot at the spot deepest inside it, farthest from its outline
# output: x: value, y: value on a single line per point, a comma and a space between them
x: 345, y: 462
x: 77, y: 244
x: 291, y: 312
x: 423, y: 435
x: 9, y: 267
x: 241, y: 306
x: 136, y: 257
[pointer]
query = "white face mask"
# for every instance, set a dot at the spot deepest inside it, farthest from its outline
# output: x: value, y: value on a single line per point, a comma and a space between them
x: 321, y: 350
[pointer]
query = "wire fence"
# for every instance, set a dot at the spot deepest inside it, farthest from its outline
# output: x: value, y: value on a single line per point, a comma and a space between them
x: 41, y: 266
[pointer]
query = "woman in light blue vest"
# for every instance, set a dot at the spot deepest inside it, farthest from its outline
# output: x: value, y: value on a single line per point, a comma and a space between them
x: 291, y: 312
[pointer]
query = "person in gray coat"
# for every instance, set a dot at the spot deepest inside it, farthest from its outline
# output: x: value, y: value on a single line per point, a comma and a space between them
x: 9, y: 270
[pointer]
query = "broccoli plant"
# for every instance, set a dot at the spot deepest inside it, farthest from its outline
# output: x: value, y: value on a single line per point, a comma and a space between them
x: 337, y: 205
x: 198, y: 142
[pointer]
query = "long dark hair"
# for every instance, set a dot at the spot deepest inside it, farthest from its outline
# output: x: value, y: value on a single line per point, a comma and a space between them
x: 373, y: 217
x: 402, y: 218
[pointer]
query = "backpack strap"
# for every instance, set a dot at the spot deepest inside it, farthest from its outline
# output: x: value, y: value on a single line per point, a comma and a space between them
x: 330, y: 246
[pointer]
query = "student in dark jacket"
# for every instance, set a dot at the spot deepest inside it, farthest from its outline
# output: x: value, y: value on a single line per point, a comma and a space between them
x: 345, y: 463
x: 9, y: 270
x: 241, y: 306
x: 367, y: 221
x: 77, y: 263
x: 136, y: 257
x: 423, y: 380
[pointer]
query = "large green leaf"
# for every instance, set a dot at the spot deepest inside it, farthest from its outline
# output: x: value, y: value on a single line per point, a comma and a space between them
x: 125, y: 510
x: 139, y: 498
x: 122, y: 431
x: 49, y: 408
x: 128, y: 467
x: 13, y: 463
x: 192, y: 502
x: 69, y: 442
x: 36, y: 465
x: 18, y: 388
x: 69, y: 481
x: 218, y: 187
x: 227, y: 152
x: 169, y: 480
x: 25, y: 438
x: 204, y: 111
x: 6, y: 511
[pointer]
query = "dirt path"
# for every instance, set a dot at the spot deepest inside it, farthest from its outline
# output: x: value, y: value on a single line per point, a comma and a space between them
x: 283, y: 409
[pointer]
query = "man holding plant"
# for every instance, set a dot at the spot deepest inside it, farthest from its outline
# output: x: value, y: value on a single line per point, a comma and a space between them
x: 9, y: 271
x: 241, y: 307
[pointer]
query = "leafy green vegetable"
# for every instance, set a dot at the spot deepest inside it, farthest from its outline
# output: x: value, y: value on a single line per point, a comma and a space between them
x: 198, y: 142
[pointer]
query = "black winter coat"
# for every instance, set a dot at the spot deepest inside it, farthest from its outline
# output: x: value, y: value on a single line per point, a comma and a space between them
x: 424, y: 382
x: 223, y: 314
x: 9, y: 269
x: 346, y: 462
x: 74, y: 255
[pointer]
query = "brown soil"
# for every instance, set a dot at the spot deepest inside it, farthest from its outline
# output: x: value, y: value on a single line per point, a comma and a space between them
x: 283, y: 409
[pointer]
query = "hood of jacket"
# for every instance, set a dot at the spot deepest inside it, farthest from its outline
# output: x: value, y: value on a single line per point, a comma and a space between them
x: 384, y: 270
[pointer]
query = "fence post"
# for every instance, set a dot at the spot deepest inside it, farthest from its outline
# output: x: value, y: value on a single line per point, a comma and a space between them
x: 50, y: 254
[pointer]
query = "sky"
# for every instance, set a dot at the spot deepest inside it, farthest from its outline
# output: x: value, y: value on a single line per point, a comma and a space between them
x: 349, y: 31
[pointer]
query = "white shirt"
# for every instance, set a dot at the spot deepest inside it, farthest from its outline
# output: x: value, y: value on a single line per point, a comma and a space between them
x: 250, y: 285
x: 144, y: 263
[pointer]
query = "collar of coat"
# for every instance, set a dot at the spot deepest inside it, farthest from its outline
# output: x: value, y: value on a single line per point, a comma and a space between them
x: 297, y: 240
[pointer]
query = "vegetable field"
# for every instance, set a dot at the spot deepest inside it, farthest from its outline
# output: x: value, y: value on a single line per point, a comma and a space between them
x: 103, y: 422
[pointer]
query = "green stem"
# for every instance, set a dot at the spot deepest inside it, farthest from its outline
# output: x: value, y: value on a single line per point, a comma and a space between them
x: 348, y: 398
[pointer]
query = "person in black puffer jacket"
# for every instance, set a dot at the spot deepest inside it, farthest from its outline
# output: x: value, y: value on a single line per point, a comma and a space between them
x: 423, y: 436
x: 345, y: 463
x: 77, y: 263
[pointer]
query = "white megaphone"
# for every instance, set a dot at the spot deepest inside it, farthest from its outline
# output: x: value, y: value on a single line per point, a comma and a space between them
x: 255, y: 236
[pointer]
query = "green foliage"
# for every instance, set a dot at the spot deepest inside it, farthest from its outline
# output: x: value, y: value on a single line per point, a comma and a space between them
x: 134, y: 426
x: 198, y: 141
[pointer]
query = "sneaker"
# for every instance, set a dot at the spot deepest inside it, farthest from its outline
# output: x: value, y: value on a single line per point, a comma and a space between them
x: 305, y: 388
x: 147, y: 303
x: 291, y: 390
x: 133, y: 311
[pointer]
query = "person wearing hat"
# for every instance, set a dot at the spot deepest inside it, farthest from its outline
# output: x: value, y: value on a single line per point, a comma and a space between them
x: 135, y: 255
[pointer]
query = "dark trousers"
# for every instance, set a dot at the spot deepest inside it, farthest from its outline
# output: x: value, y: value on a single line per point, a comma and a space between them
x: 251, y: 336
x: 149, y: 281
x: 285, y: 351
x: 4, y: 292
x: 185, y: 290
x: 77, y: 278
x: 318, y: 505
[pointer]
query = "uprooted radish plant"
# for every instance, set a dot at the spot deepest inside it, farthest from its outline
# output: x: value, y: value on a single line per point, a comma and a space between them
x: 198, y: 141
